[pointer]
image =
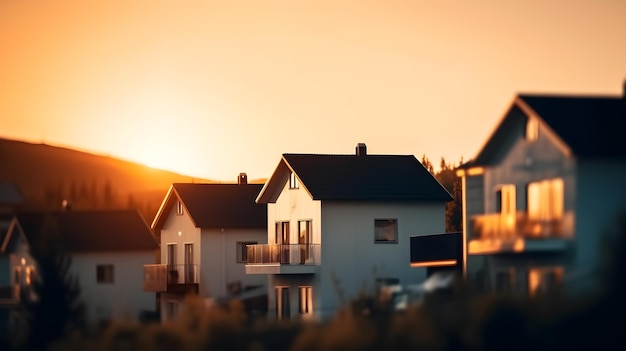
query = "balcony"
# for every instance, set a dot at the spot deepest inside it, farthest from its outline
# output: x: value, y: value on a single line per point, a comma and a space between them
x: 13, y: 294
x: 283, y: 259
x: 496, y: 233
x: 175, y: 279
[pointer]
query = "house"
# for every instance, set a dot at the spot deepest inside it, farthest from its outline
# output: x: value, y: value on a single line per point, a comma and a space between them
x: 338, y: 225
x: 16, y: 265
x: 204, y: 230
x: 543, y: 192
x: 108, y: 249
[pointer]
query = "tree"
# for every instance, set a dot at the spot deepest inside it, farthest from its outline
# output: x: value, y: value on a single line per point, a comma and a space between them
x: 55, y: 308
x: 447, y: 177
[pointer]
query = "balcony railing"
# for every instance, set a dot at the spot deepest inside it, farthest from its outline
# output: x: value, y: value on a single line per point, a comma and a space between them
x: 497, y: 226
x: 12, y: 294
x: 160, y: 277
x: 293, y: 254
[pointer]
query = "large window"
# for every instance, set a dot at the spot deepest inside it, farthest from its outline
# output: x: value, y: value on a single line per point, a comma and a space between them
x: 306, y: 299
x: 172, y: 271
x: 242, y: 250
x: 189, y: 265
x: 104, y: 273
x: 506, y: 205
x: 283, y: 310
x: 282, y: 233
x: 305, y: 229
x: 30, y: 275
x: 386, y: 230
x: 545, y: 199
x: 541, y: 280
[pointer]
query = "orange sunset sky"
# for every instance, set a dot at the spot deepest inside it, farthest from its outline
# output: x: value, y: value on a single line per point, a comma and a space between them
x: 214, y: 88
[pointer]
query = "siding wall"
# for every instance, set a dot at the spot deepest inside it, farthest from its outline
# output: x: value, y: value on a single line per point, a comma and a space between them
x: 124, y: 299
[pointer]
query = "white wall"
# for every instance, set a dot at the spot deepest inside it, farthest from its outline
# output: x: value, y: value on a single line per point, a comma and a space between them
x: 294, y: 205
x: 350, y: 253
x: 345, y: 231
x: 219, y: 260
x: 122, y: 300
x: 180, y: 230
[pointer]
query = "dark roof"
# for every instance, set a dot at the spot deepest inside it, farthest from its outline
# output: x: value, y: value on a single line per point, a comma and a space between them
x: 93, y: 231
x: 218, y: 205
x: 590, y: 126
x: 363, y: 178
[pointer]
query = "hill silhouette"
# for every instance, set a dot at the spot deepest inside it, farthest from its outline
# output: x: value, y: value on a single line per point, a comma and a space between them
x: 47, y: 175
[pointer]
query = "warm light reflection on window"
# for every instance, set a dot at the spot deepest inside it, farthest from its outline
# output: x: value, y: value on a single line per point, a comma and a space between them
x: 306, y: 299
x: 541, y: 280
x: 545, y: 199
x: 505, y: 198
x: 532, y: 129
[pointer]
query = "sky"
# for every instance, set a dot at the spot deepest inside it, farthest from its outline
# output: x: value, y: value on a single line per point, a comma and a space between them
x: 213, y: 88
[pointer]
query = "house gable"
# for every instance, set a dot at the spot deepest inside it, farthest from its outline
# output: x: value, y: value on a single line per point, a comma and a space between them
x: 357, y: 178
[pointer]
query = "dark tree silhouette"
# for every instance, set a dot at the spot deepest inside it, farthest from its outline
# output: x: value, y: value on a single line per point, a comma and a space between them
x: 54, y: 308
x: 447, y: 177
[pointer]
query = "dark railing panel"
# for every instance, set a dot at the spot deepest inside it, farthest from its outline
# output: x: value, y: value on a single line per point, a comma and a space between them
x: 156, y: 277
x: 305, y: 254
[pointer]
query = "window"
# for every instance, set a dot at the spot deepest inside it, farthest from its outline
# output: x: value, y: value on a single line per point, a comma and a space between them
x: 505, y: 280
x: 541, y: 280
x: 104, y: 273
x: 30, y: 275
x: 282, y: 302
x: 293, y: 181
x: 282, y: 233
x: 386, y: 230
x: 16, y: 275
x: 189, y: 266
x: 242, y: 250
x: 532, y: 129
x: 306, y: 299
x: 179, y: 208
x: 305, y: 229
x: 506, y: 206
x: 545, y: 199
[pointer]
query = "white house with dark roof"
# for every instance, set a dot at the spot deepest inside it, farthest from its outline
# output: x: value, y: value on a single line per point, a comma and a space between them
x: 544, y: 192
x: 341, y: 224
x: 204, y: 230
x: 16, y: 264
x: 108, y: 249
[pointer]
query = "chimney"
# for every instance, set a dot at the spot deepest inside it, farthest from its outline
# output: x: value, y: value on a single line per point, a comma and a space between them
x: 242, y: 179
x: 361, y: 149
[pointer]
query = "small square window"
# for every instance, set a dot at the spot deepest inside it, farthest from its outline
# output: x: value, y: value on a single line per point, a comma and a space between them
x: 242, y: 250
x: 293, y: 181
x: 179, y: 208
x: 386, y: 230
x: 104, y: 273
